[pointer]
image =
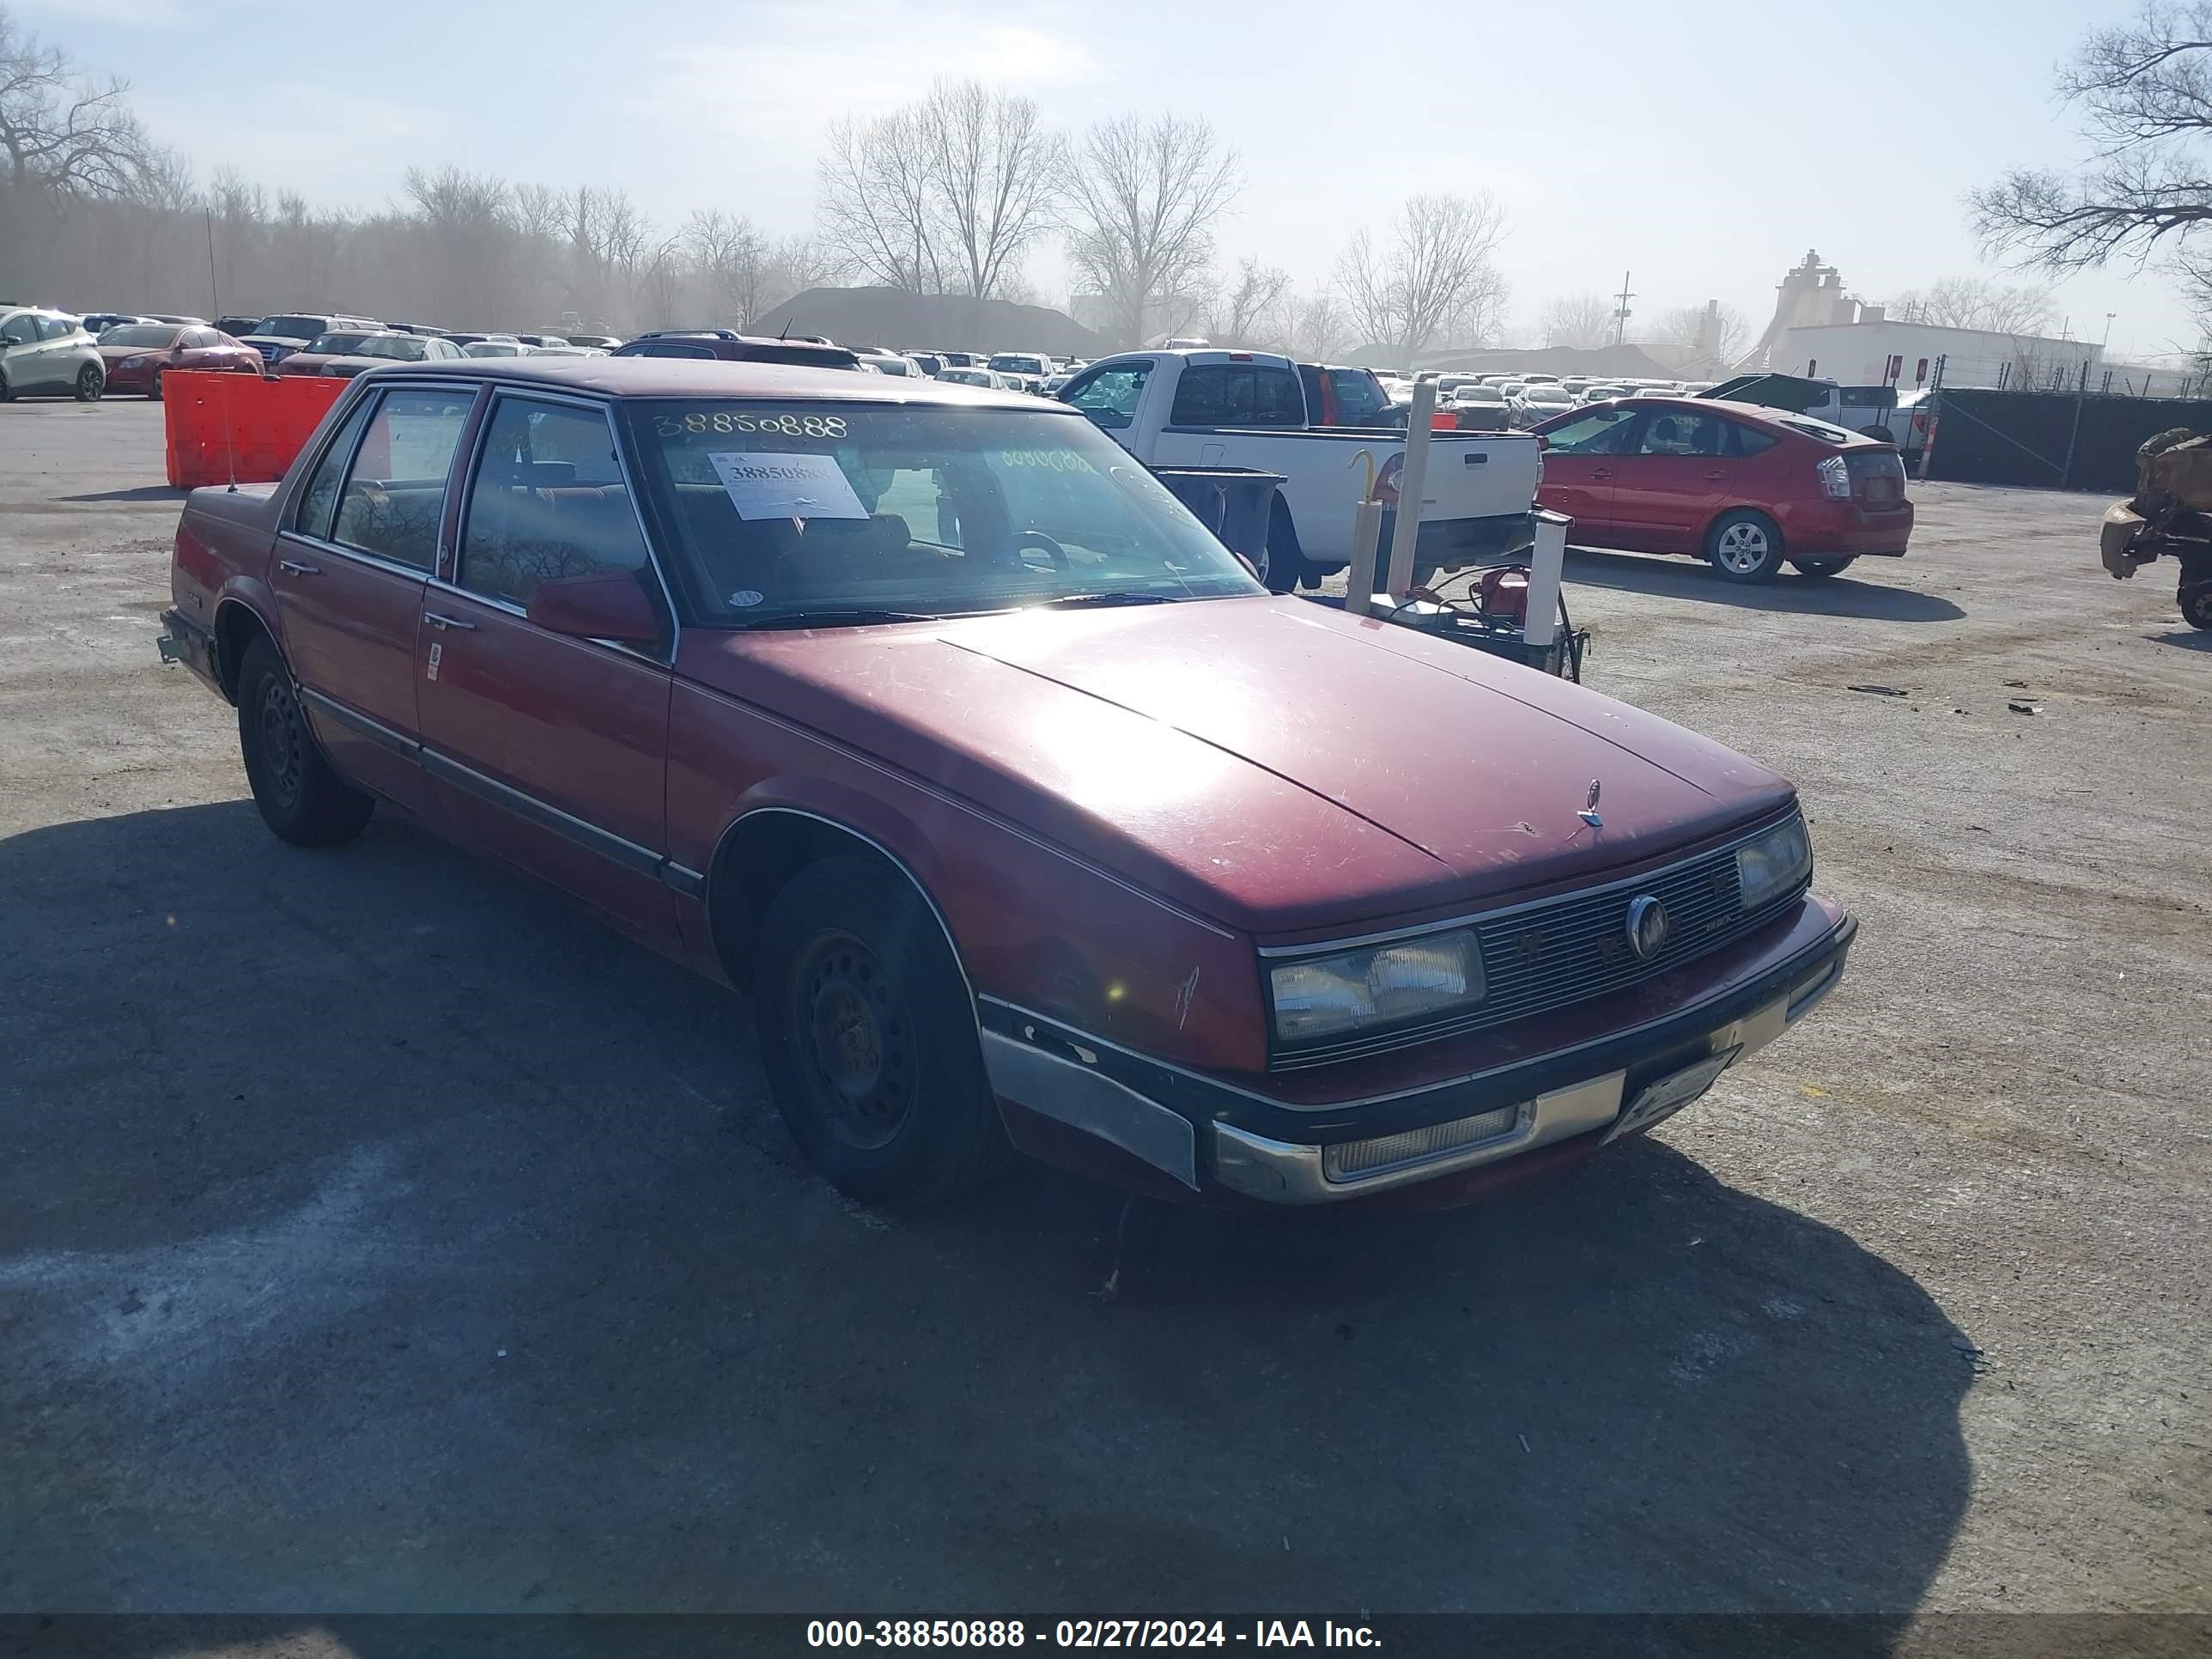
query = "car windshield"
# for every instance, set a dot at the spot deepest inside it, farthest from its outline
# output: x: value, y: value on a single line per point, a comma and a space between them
x: 400, y: 348
x: 290, y: 328
x: 335, y: 344
x: 139, y: 334
x: 1546, y: 394
x: 855, y: 510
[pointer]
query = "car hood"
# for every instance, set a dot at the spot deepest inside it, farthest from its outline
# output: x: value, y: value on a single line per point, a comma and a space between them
x: 114, y: 354
x: 1272, y: 762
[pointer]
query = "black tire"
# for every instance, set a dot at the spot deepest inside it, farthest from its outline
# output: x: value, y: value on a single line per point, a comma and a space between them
x: 1287, y: 564
x: 1745, y: 546
x: 868, y: 1038
x: 2195, y: 598
x: 1823, y: 566
x: 301, y: 799
x: 154, y: 388
x: 7, y: 392
x: 90, y: 383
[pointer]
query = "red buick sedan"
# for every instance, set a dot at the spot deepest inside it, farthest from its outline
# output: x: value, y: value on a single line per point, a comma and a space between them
x: 1745, y: 487
x: 931, y: 719
x: 137, y: 355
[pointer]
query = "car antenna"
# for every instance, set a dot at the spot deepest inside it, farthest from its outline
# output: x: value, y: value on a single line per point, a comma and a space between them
x: 229, y: 440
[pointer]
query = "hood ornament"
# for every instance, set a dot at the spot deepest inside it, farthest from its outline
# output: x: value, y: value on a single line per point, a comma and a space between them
x: 1589, y: 813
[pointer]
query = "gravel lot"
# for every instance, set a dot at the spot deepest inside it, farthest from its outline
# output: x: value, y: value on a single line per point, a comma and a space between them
x: 376, y: 1231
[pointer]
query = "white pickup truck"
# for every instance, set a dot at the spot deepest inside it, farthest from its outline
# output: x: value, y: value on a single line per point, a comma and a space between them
x: 1247, y: 409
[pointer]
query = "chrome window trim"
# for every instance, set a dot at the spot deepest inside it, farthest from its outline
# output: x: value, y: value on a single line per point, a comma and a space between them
x: 1475, y: 918
x: 605, y: 407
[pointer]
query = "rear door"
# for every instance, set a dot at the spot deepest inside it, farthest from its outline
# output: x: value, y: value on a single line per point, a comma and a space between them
x: 1580, y: 463
x: 548, y: 751
x: 359, y: 541
x: 1675, y: 477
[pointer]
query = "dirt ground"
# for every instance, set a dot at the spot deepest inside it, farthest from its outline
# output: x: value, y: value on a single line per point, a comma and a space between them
x: 378, y: 1232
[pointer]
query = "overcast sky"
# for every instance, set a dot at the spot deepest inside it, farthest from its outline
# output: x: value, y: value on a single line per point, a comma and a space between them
x: 1702, y: 144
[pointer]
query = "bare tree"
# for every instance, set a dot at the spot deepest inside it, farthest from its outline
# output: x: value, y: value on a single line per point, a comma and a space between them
x: 62, y: 134
x: 1435, y: 270
x: 1245, y: 308
x: 1720, y: 329
x: 1321, y: 327
x: 1976, y: 302
x: 1578, y: 320
x: 2144, y: 92
x: 734, y: 258
x: 994, y: 175
x: 660, y: 274
x: 1143, y: 196
x: 472, y: 248
x: 875, y: 203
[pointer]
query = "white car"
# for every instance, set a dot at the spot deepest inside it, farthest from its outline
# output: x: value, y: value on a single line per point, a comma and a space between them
x: 48, y: 352
x: 497, y: 348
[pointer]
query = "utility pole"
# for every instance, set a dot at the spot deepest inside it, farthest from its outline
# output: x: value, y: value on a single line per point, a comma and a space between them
x: 1621, y: 317
x: 215, y: 295
x: 2107, y: 340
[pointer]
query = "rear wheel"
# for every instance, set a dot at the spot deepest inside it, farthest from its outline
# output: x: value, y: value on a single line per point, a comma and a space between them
x: 868, y: 1038
x: 1823, y: 566
x: 90, y: 383
x: 1745, y: 546
x: 301, y: 799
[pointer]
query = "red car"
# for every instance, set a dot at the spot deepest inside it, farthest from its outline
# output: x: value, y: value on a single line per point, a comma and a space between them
x: 928, y: 717
x: 137, y: 355
x: 1745, y: 487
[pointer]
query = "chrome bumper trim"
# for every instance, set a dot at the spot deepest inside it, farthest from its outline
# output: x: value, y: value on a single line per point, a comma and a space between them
x: 1084, y: 1098
x: 1282, y: 1173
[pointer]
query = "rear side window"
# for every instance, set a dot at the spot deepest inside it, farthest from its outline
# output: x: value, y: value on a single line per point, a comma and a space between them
x: 313, y: 516
x: 548, y: 502
x: 1748, y: 441
x: 1359, y: 399
x: 1237, y: 394
x: 1667, y: 433
x: 395, y: 494
x: 56, y: 328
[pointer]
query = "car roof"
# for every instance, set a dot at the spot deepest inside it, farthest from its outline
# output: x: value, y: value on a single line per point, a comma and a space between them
x: 1760, y: 414
x: 704, y: 377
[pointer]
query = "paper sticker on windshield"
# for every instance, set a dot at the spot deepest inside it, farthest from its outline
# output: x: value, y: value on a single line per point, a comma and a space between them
x: 766, y: 486
x: 746, y: 599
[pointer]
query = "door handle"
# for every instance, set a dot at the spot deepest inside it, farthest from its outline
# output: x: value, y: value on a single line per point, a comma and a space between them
x: 294, y: 568
x: 1601, y: 473
x: 1716, y: 477
x: 439, y: 619
x: 1475, y: 458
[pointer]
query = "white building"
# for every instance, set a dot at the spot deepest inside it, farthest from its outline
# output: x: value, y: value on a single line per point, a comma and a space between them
x: 1856, y: 354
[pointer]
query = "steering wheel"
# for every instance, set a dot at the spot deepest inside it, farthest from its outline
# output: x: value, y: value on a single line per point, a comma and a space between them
x: 1053, y: 549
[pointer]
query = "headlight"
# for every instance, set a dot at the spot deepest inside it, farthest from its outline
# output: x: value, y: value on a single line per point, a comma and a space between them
x: 134, y: 362
x: 1323, y: 996
x: 1773, y: 864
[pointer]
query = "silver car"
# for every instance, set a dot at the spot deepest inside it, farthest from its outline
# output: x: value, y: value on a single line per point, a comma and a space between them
x: 47, y: 352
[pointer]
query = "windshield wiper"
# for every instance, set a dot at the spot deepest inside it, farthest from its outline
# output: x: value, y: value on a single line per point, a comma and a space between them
x: 1078, y: 601
x: 834, y: 618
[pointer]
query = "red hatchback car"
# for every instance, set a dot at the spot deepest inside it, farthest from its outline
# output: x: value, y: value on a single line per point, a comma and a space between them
x: 137, y: 355
x: 1745, y: 487
x: 930, y: 717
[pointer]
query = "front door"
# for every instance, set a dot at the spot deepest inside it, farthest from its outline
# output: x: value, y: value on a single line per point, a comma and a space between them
x: 548, y: 751
x: 1581, y: 459
x: 1672, y: 482
x: 357, y: 546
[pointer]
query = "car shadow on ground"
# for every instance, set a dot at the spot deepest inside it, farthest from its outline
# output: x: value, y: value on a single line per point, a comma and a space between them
x: 1679, y: 578
x: 141, y: 493
x: 389, y: 1235
x: 2189, y: 639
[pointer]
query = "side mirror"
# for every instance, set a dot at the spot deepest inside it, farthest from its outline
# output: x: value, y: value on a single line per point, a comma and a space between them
x: 607, y: 605
x: 1543, y: 441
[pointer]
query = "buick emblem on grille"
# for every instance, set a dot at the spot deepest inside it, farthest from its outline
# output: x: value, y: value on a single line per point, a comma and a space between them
x: 1646, y: 927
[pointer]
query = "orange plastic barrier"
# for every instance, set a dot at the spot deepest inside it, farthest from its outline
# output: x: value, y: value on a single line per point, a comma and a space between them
x: 243, y: 429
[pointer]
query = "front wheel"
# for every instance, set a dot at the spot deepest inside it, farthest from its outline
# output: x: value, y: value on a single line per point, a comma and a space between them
x: 300, y: 798
x: 154, y: 388
x: 2195, y: 600
x: 90, y: 383
x: 1745, y: 546
x: 868, y: 1037
x: 1823, y: 566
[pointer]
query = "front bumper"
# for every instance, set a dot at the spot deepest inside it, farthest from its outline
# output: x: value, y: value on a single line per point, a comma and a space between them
x: 1212, y: 1138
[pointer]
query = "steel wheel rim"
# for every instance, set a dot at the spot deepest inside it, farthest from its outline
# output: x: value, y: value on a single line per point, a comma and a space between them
x: 1743, y: 547
x: 283, y: 742
x: 856, y: 1041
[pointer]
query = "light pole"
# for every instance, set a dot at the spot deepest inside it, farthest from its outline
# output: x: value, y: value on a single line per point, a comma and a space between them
x: 2107, y: 340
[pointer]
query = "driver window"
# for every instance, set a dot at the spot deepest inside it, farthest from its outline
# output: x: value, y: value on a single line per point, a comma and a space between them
x: 1600, y: 432
x: 18, y: 330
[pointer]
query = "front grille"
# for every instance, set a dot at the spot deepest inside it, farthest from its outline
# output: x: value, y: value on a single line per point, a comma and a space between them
x: 1554, y: 954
